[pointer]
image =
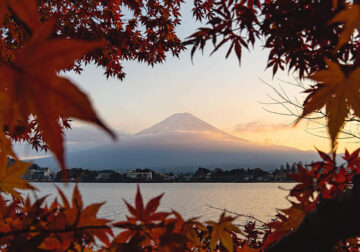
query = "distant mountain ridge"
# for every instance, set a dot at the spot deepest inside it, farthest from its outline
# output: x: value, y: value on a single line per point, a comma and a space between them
x: 181, y: 142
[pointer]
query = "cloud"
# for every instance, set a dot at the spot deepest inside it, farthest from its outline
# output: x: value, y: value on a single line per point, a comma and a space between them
x: 76, y: 139
x: 86, y: 134
x: 86, y: 137
x: 256, y: 126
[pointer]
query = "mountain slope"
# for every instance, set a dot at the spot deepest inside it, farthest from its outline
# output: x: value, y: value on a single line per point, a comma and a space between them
x: 180, y: 122
x: 182, y: 142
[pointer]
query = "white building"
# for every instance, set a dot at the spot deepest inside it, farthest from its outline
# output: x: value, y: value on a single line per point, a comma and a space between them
x: 37, y: 173
x: 145, y: 174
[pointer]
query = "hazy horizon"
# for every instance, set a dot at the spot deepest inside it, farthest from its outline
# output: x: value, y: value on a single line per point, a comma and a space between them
x: 180, y: 142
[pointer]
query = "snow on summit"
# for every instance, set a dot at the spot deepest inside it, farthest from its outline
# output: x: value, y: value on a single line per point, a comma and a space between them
x: 181, y: 122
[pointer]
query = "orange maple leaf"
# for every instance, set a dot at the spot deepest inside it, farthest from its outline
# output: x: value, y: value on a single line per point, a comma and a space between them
x: 10, y: 176
x: 335, y: 4
x: 288, y: 220
x: 27, y: 11
x: 337, y: 92
x: 3, y: 10
x: 295, y: 214
x: 148, y: 213
x: 350, y: 17
x: 32, y: 87
x: 148, y: 224
x: 221, y: 232
x: 78, y: 217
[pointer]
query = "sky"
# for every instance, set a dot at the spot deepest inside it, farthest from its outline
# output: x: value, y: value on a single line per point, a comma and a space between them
x: 219, y: 91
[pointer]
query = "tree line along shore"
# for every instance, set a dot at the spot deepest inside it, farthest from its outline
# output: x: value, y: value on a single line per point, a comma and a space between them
x: 36, y: 173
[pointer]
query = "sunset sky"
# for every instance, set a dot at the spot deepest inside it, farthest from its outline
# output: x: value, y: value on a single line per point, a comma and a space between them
x: 216, y: 90
x: 212, y: 88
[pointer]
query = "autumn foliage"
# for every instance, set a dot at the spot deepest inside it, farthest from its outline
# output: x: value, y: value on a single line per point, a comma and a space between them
x: 40, y: 38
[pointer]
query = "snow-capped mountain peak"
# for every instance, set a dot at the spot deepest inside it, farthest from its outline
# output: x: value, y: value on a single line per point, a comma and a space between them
x: 181, y: 122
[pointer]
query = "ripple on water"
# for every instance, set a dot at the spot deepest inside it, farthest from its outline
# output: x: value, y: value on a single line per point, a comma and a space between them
x: 189, y: 199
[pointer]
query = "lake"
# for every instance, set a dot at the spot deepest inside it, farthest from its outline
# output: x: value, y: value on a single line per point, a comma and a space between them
x: 189, y: 199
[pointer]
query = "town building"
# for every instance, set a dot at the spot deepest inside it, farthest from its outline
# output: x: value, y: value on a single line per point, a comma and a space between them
x: 104, y: 175
x: 143, y: 174
x: 37, y: 173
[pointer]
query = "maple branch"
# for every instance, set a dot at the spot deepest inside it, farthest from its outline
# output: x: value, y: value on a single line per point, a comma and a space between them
x: 237, y: 214
x: 293, y: 108
x: 334, y: 220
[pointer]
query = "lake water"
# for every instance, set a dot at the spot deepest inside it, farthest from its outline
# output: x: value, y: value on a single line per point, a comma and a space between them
x: 189, y: 199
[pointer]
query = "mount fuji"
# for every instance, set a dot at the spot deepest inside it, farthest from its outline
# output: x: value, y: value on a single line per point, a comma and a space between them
x: 181, y: 142
x: 181, y: 122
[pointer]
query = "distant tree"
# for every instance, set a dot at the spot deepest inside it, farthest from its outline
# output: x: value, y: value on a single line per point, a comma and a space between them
x: 288, y: 167
x: 282, y: 167
x: 201, y: 172
x: 34, y: 166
